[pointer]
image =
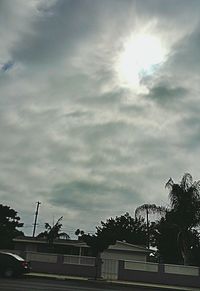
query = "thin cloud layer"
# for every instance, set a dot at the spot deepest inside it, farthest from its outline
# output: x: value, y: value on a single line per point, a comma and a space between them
x: 73, y: 136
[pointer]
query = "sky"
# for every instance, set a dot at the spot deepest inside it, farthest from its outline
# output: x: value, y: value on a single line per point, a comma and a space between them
x: 99, y: 106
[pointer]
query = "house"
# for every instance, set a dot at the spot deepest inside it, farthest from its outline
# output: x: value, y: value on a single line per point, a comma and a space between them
x: 119, y: 251
x: 74, y: 257
x: 122, y: 261
x: 59, y: 246
x: 126, y: 251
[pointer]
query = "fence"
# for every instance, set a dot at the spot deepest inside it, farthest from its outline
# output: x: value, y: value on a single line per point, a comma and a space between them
x: 63, y: 264
x: 159, y: 273
x: 113, y: 269
x: 141, y: 266
x: 79, y: 260
x: 181, y: 270
x: 54, y: 258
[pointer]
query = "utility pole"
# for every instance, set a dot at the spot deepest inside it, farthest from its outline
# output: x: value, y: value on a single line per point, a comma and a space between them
x: 36, y: 215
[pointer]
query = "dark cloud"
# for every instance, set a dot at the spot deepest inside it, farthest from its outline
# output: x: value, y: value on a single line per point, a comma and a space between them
x: 185, y: 56
x: 189, y: 127
x: 88, y: 194
x: 58, y: 32
x: 167, y: 96
x: 177, y: 11
x: 7, y: 66
x: 98, y: 198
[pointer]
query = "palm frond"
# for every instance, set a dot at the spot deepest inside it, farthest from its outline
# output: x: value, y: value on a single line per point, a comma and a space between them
x: 169, y: 183
x: 196, y: 186
x: 186, y: 181
x: 150, y: 208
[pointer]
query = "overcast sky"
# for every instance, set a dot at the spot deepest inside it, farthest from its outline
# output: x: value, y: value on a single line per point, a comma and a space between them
x: 99, y: 105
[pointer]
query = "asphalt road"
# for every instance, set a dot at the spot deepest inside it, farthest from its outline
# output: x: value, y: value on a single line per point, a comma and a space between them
x: 36, y: 284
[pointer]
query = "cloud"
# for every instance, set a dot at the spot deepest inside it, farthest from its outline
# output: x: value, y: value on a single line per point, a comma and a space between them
x: 72, y: 137
x: 185, y: 56
x: 7, y: 66
x: 164, y: 95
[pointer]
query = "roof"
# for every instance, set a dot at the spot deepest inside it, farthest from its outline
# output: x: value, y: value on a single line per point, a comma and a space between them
x: 35, y: 240
x: 119, y: 246
x: 124, y: 246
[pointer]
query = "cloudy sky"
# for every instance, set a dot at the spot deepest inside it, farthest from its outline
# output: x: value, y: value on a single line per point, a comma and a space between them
x: 99, y: 106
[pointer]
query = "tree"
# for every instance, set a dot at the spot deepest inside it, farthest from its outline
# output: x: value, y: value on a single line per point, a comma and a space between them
x: 9, y: 222
x: 185, y: 211
x: 147, y: 209
x: 122, y: 228
x: 53, y: 232
x: 165, y: 240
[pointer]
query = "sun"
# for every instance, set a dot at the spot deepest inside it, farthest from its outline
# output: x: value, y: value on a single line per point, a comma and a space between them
x: 141, y: 55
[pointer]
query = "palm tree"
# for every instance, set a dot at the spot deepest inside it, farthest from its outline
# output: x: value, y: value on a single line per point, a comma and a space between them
x: 185, y: 210
x: 147, y: 209
x: 53, y: 232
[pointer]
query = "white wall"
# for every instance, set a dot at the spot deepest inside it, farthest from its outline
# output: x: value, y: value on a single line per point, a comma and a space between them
x: 123, y: 256
x: 41, y: 257
x: 181, y: 270
x: 140, y: 266
x: 78, y: 260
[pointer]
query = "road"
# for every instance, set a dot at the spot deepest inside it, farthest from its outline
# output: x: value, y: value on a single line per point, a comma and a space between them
x: 38, y: 284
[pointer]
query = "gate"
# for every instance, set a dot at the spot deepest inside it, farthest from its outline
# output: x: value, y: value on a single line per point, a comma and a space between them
x: 109, y: 269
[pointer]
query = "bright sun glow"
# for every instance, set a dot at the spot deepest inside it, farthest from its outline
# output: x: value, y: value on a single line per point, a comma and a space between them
x: 140, y: 57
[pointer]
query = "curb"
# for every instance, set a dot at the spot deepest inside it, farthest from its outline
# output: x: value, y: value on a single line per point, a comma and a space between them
x: 109, y: 283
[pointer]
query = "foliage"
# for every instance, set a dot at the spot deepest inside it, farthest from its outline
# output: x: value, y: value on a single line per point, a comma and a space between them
x: 122, y: 228
x: 185, y: 202
x: 165, y: 239
x: 195, y: 251
x: 149, y: 209
x: 184, y: 214
x: 146, y: 210
x: 9, y: 222
x: 53, y: 232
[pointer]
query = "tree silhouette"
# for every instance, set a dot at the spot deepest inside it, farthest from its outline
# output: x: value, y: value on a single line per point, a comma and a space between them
x: 9, y: 222
x: 53, y: 232
x: 146, y: 210
x: 185, y: 211
x: 122, y: 228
